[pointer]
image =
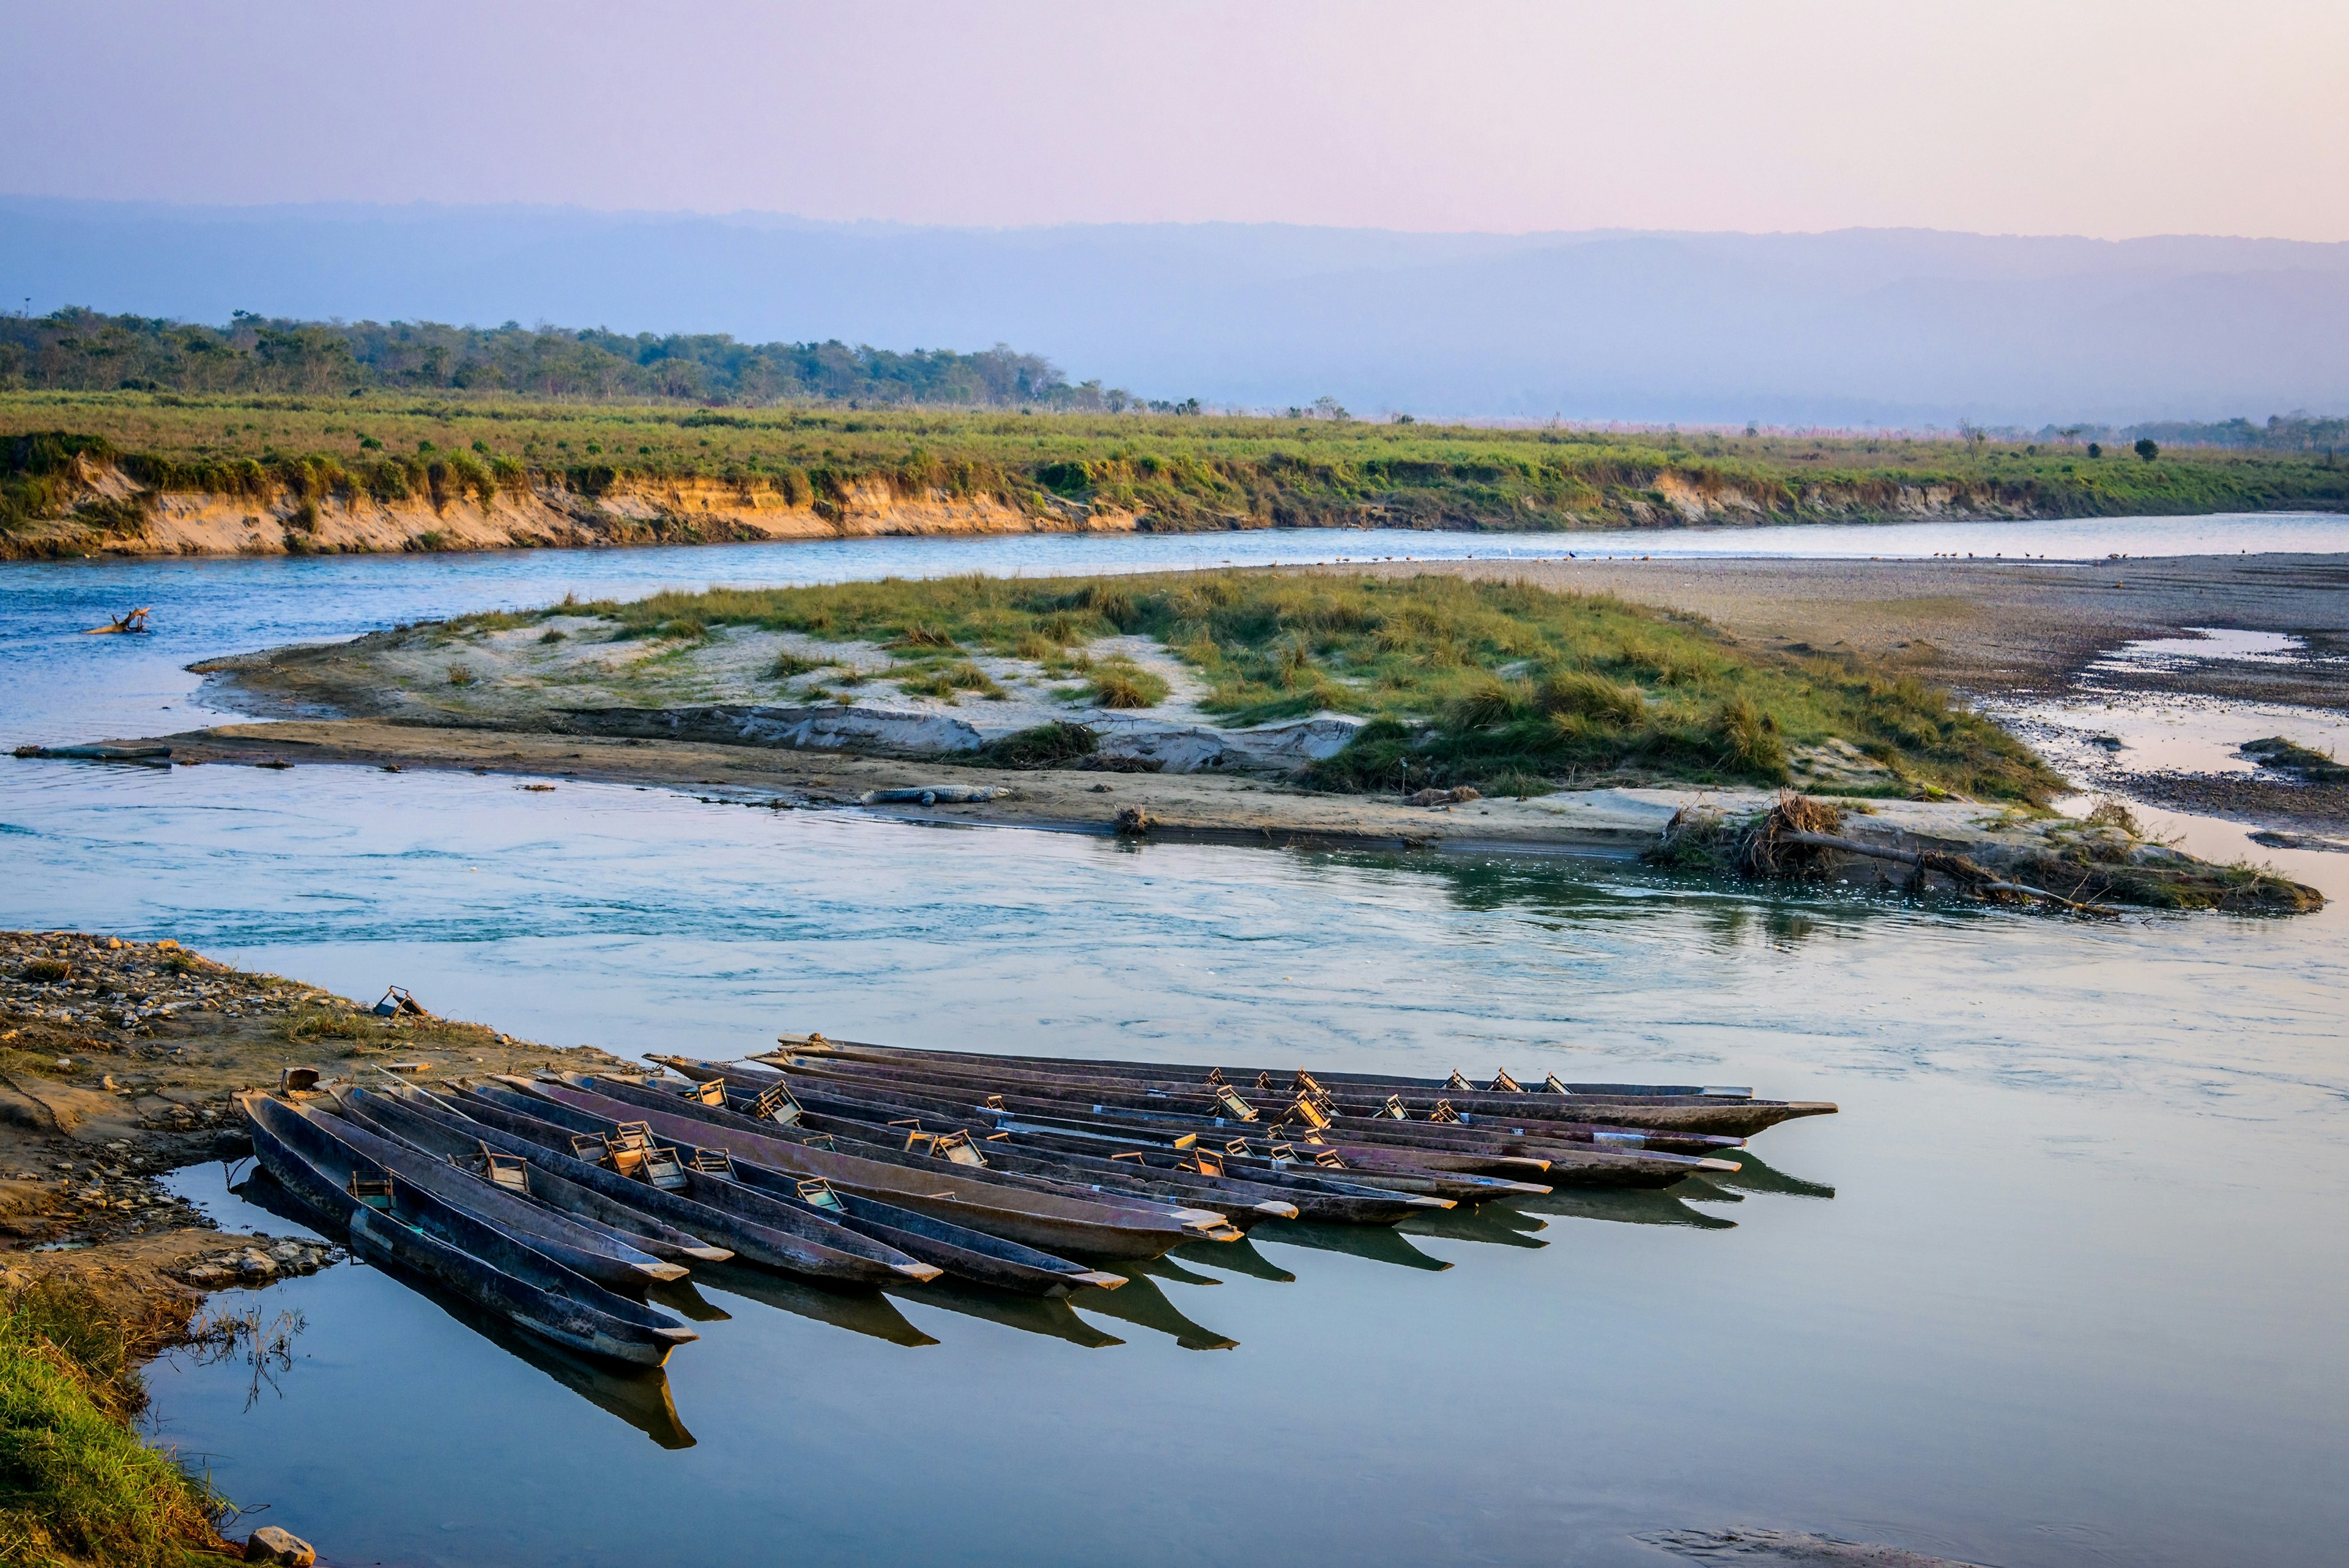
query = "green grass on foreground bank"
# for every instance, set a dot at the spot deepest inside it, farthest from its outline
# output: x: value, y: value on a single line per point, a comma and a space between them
x: 77, y: 1486
x: 1496, y: 684
x: 1175, y: 471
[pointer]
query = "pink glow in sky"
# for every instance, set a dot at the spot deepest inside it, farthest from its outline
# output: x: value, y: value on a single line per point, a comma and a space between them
x: 2092, y: 118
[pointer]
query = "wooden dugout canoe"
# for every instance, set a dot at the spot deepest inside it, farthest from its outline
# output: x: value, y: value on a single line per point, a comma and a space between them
x: 1195, y: 1073
x: 1493, y: 1150
x: 1302, y: 1185
x: 750, y: 1238
x: 1048, y: 1221
x: 830, y: 1249
x: 1433, y: 1172
x: 421, y: 1232
x: 395, y: 1119
x: 590, y: 1252
x: 1157, y: 1175
x: 1689, y: 1108
x: 1084, y: 1135
x: 915, y: 1169
x: 1544, y: 1119
x: 1021, y: 1172
x: 955, y: 1250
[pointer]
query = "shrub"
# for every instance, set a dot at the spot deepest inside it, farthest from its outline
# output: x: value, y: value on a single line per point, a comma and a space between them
x: 1120, y: 684
x: 923, y: 634
x: 1589, y: 696
x: 461, y: 675
x: 1384, y: 755
x: 967, y: 677
x: 1518, y: 783
x: 1749, y: 740
x: 2113, y: 814
x: 787, y: 664
x: 945, y: 680
x: 324, y: 1023
x: 1488, y: 702
x: 1045, y: 746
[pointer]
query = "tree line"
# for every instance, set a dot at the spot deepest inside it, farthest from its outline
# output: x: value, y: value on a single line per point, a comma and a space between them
x: 77, y: 350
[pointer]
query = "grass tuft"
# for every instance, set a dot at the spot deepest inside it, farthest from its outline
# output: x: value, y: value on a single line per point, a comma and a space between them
x: 1118, y: 684
x: 1749, y: 741
x: 787, y: 664
x: 1585, y: 695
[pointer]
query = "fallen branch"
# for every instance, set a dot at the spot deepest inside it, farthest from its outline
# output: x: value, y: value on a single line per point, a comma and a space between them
x: 1967, y: 874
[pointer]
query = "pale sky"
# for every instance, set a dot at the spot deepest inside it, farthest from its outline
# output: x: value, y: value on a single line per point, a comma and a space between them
x: 2110, y: 119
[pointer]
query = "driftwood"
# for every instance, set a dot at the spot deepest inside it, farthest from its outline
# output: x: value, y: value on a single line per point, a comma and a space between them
x: 1967, y: 873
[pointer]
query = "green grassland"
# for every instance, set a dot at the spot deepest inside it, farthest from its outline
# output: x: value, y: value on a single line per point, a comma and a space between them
x: 1175, y: 471
x: 77, y: 1486
x: 1498, y: 684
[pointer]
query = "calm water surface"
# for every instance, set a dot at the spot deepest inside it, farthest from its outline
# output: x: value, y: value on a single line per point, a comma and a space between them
x: 2061, y: 1283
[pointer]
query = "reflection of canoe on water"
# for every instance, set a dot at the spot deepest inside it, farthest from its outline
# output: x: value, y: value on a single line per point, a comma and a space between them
x: 1050, y: 1316
x: 637, y: 1394
x: 1143, y: 1304
x: 128, y: 621
x: 1379, y: 1243
x: 868, y: 1313
x: 389, y: 1218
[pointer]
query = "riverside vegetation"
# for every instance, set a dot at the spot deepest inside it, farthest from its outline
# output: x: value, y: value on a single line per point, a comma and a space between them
x: 87, y: 472
x: 75, y: 1483
x: 1496, y: 684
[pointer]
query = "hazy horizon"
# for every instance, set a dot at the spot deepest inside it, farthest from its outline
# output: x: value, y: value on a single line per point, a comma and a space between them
x: 1856, y: 328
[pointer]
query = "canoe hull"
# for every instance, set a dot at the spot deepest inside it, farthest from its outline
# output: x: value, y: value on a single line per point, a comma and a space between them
x: 402, y: 1240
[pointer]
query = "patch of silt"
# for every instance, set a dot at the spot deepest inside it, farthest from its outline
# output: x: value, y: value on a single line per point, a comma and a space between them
x: 2088, y: 866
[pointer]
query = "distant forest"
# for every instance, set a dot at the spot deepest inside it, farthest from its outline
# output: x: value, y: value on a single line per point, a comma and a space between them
x: 2281, y: 432
x: 80, y: 350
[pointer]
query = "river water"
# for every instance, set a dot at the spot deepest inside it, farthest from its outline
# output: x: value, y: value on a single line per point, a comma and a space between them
x: 2061, y: 1283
